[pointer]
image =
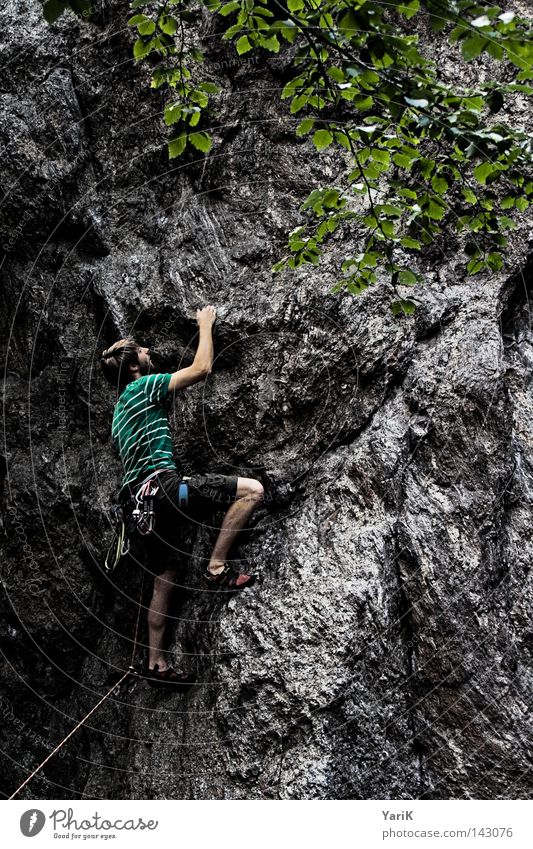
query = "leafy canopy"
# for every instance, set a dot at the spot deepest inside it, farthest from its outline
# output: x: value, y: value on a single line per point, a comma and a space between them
x: 423, y: 157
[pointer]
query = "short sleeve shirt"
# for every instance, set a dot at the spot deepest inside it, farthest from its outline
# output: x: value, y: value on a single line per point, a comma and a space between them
x: 140, y: 428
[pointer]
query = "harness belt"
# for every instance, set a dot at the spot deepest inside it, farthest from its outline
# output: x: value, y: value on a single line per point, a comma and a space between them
x: 127, y: 489
x: 142, y: 517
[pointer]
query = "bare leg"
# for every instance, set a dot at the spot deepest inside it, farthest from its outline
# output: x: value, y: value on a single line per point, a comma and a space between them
x: 157, y: 616
x: 250, y: 494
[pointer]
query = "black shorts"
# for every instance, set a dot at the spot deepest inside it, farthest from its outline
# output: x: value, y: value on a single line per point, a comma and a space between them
x: 207, y: 493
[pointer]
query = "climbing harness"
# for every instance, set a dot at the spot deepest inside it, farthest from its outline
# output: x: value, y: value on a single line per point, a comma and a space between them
x: 137, y: 515
x: 129, y: 672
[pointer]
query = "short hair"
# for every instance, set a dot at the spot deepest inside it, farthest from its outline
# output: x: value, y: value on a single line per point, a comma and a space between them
x: 116, y: 360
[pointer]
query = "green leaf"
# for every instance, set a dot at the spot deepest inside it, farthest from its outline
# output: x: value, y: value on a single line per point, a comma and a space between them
x: 349, y: 24
x: 336, y: 74
x: 407, y: 242
x: 172, y: 113
x: 407, y: 193
x: 386, y: 227
x: 210, y: 88
x: 331, y: 198
x: 295, y: 5
x: 389, y: 209
x: 141, y: 49
x: 289, y: 31
x: 475, y: 266
x: 146, y: 27
x: 243, y: 45
x: 177, y: 146
x: 403, y: 307
x: 506, y: 223
x: 381, y: 156
x: 200, y: 98
x: 137, y: 19
x: 168, y: 24
x: 495, y: 50
x: 201, y: 141
x: 305, y: 126
x: 495, y: 261
x: 408, y: 278
x: 322, y: 139
x: 473, y: 46
x: 402, y: 160
x: 468, y: 195
x: 228, y: 8
x: 298, y: 102
x: 158, y: 78
x: 289, y: 89
x: 482, y: 171
x: 435, y: 210
x: 271, y: 44
x: 409, y: 8
x: 439, y: 185
x: 363, y: 103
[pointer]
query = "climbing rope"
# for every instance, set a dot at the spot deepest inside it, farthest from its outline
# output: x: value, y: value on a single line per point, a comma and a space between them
x: 130, y: 671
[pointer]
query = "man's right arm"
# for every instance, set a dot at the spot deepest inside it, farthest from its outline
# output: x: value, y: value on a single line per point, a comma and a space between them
x: 203, y: 360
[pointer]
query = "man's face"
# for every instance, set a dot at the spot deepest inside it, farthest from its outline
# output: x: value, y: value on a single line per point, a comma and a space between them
x: 145, y: 363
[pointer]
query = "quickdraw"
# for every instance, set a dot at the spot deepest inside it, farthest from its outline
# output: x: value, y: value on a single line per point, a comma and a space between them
x: 143, y: 513
x: 120, y: 543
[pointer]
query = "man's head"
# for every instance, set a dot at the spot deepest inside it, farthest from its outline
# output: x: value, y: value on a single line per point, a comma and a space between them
x: 125, y: 361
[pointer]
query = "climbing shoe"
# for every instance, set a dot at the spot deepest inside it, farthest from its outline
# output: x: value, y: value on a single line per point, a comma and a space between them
x: 169, y: 678
x: 229, y: 579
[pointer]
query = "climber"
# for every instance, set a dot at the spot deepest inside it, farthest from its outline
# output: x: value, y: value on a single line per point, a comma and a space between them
x: 141, y: 433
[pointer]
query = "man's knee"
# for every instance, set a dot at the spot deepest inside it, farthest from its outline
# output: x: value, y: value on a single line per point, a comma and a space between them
x: 251, y: 489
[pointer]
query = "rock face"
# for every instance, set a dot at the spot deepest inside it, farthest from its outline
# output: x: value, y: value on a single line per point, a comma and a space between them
x: 387, y: 652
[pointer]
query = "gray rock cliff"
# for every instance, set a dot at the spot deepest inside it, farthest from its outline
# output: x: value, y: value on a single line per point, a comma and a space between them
x: 387, y: 651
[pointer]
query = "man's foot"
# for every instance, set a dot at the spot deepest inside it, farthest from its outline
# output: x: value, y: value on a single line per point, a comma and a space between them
x: 227, y: 578
x: 169, y: 678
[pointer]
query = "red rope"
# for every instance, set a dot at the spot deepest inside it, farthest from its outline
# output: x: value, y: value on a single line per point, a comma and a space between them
x: 57, y: 748
x: 85, y: 718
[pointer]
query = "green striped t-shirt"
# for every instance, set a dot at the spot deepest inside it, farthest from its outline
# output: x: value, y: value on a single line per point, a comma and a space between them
x: 140, y: 428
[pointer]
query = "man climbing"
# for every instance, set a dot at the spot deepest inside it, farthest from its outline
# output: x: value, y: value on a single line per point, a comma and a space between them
x: 141, y: 433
